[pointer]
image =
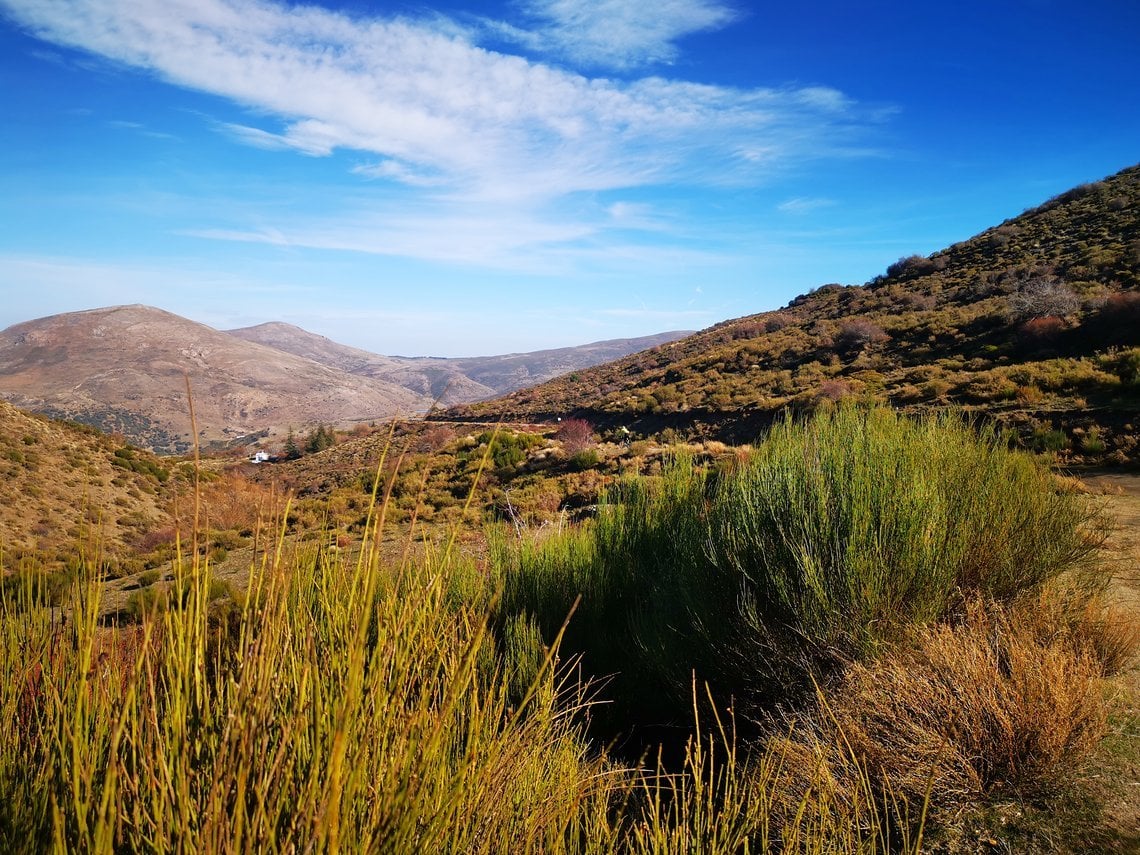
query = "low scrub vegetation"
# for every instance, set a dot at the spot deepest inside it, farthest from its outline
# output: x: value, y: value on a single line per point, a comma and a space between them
x: 962, y: 711
x: 828, y: 643
x: 1058, y: 285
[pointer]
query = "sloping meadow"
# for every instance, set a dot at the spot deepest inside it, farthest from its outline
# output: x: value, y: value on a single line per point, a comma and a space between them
x: 779, y: 654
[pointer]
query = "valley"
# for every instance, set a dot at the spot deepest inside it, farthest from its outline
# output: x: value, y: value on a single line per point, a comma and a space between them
x: 880, y: 540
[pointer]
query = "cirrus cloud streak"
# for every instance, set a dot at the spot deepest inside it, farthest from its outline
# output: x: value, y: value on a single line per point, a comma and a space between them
x: 423, y: 97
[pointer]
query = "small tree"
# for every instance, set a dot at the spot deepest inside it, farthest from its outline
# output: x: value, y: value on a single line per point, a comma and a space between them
x: 857, y: 333
x: 1042, y: 297
x: 291, y: 451
x: 576, y: 435
x: 320, y: 439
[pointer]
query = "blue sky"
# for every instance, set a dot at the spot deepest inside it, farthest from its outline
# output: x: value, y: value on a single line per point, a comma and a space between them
x: 461, y: 179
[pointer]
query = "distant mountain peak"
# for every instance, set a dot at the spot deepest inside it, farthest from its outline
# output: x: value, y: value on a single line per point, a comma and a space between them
x: 124, y: 369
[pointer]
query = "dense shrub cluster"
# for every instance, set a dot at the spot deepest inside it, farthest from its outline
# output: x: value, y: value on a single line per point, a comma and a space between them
x: 915, y: 265
x: 137, y: 461
x: 507, y: 449
x: 1076, y: 260
x: 827, y: 543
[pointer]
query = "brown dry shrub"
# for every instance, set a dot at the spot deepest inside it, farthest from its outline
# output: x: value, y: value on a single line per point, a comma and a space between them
x: 1030, y: 394
x: 1118, y: 320
x: 982, y: 706
x: 1112, y: 635
x: 152, y: 540
x: 233, y: 502
x: 857, y: 334
x: 1038, y: 332
x: 775, y: 323
x: 917, y: 302
x: 433, y: 438
x: 575, y: 435
x: 833, y: 390
x: 1067, y: 610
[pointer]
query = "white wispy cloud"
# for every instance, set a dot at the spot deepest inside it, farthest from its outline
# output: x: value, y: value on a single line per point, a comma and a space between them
x: 489, y: 146
x: 462, y: 236
x: 422, y: 96
x: 256, y: 137
x: 619, y: 34
x: 139, y: 127
x: 403, y: 173
x: 804, y: 205
x: 671, y: 315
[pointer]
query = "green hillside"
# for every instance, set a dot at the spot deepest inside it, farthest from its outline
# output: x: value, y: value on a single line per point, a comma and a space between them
x: 1035, y: 321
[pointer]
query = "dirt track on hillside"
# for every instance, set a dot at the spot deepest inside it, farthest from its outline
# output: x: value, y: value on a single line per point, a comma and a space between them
x: 1121, y: 816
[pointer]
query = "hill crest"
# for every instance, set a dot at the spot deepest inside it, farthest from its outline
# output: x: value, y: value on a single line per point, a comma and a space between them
x: 123, y: 369
x: 1033, y: 321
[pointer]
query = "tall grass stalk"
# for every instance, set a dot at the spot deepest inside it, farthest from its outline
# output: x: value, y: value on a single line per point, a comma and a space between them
x: 332, y: 719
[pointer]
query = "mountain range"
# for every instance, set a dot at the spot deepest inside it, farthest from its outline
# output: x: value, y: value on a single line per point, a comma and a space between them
x: 125, y: 370
x: 1034, y: 323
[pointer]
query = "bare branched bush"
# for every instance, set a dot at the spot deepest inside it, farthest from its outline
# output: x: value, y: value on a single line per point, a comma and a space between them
x: 834, y: 390
x: 857, y: 334
x: 1042, y: 297
x: 576, y: 435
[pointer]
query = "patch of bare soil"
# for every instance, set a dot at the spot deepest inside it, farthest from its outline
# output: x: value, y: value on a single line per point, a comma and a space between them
x: 1117, y: 778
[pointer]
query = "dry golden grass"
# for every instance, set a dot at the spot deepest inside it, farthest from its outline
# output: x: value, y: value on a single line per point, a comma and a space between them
x: 1106, y: 630
x: 993, y: 704
x: 63, y: 487
x: 232, y: 502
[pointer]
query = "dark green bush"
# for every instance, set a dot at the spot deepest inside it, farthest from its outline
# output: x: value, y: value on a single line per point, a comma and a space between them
x: 127, y: 458
x: 831, y: 540
x: 144, y: 601
x: 583, y: 460
x: 1050, y: 440
x: 33, y: 585
x: 507, y: 448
